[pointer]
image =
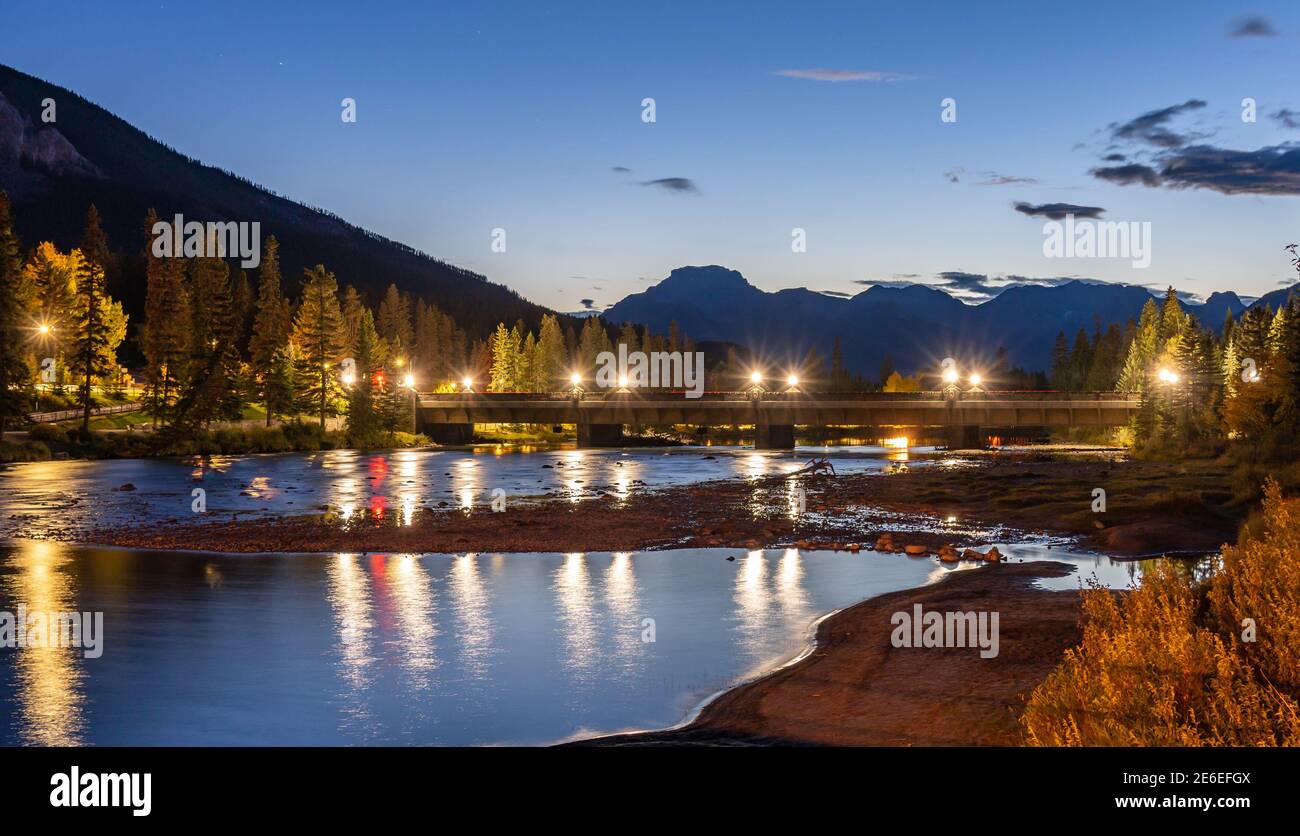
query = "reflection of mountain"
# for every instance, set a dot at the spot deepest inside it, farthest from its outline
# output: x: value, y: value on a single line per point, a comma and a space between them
x: 916, y: 325
x: 53, y: 172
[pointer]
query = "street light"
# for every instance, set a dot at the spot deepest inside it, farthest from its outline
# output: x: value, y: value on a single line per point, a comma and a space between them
x: 468, y: 383
x: 349, y: 378
x: 43, y: 329
x: 1167, y: 376
x: 756, y: 377
x: 950, y: 375
x: 793, y: 380
x: 409, y: 381
x: 575, y: 378
x: 976, y: 379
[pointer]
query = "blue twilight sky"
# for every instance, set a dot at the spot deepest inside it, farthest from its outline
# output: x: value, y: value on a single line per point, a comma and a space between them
x: 473, y: 116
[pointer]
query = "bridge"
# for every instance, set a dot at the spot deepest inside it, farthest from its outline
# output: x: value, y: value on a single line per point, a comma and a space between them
x: 964, y: 417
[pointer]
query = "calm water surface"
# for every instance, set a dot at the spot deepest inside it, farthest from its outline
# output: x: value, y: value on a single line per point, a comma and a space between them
x: 411, y: 649
x: 407, y: 649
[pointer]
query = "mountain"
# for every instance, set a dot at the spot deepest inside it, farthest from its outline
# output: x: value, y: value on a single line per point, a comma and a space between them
x: 53, y: 172
x: 916, y: 325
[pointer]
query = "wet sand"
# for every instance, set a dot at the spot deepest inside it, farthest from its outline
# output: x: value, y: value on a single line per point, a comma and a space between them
x: 856, y: 689
x: 1150, y: 508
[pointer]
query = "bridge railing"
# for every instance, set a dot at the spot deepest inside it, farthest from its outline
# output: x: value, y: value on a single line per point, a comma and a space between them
x: 864, y: 397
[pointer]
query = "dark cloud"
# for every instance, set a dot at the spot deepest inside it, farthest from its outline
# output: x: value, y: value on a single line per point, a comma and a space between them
x: 1150, y: 126
x: 822, y: 74
x: 673, y: 184
x: 1125, y: 175
x: 954, y: 175
x: 621, y: 169
x: 1286, y: 118
x: 836, y: 293
x: 1273, y: 170
x: 1114, y: 158
x: 589, y: 304
x: 1251, y: 26
x: 959, y: 280
x: 1057, y: 211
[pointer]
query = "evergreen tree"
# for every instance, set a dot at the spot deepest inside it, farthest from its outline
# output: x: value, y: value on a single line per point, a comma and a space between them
x: 551, y: 361
x: 394, y: 321
x: 164, y: 339
x: 318, y: 331
x: 363, y: 417
x: 15, y: 373
x: 1060, y: 373
x: 270, y: 328
x: 213, y: 384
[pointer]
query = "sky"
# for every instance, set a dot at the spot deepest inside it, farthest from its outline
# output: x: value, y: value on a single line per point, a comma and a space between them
x: 768, y: 118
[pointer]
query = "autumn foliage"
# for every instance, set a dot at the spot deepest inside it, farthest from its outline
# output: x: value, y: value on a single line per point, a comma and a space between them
x: 1170, y: 664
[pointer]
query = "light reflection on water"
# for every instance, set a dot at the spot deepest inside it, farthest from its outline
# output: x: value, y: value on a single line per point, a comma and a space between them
x: 418, y: 649
x: 40, y: 499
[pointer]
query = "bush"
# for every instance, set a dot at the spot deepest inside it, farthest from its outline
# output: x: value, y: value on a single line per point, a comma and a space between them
x: 32, y: 451
x: 48, y: 433
x: 1167, y: 663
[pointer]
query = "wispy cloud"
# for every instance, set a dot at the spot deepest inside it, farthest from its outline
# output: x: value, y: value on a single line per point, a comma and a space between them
x: 673, y: 184
x: 1251, y: 26
x: 1150, y: 126
x: 1286, y: 117
x: 824, y: 74
x: 988, y: 178
x: 1057, y: 211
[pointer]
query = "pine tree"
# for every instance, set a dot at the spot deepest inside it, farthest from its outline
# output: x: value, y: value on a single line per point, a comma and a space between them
x: 394, y: 321
x: 550, y: 364
x: 164, y: 334
x: 1060, y: 372
x: 1142, y: 350
x: 363, y: 416
x: 15, y: 374
x: 503, y: 360
x: 213, y: 383
x: 270, y: 325
x: 318, y: 331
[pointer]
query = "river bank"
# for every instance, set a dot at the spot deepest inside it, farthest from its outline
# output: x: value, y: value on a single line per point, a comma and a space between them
x: 967, y: 501
x: 856, y: 689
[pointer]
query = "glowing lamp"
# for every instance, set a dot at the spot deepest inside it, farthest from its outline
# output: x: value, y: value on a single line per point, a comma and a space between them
x: 976, y: 379
x: 409, y: 380
x: 756, y: 377
x: 793, y: 380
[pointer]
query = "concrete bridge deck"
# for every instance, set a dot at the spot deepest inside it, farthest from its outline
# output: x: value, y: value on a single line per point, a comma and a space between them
x: 599, y: 417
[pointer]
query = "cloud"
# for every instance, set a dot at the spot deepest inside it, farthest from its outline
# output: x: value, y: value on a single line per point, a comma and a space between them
x: 836, y: 293
x: 995, y: 179
x: 1251, y: 26
x: 1287, y: 118
x: 589, y: 304
x: 1125, y: 175
x: 822, y: 74
x: 885, y: 282
x: 1272, y: 170
x: 1150, y: 126
x: 673, y: 184
x: 1057, y: 211
x: 1114, y: 158
x: 991, y: 178
x: 621, y: 169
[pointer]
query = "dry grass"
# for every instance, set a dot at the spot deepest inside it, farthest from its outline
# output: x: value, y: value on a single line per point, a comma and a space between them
x: 1166, y: 664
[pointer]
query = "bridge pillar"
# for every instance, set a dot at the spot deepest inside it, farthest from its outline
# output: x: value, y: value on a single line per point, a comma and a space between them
x: 774, y: 437
x: 600, y: 435
x: 965, y: 437
x: 449, y: 433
